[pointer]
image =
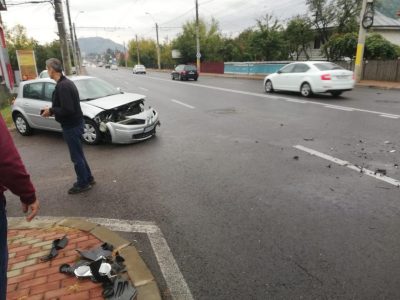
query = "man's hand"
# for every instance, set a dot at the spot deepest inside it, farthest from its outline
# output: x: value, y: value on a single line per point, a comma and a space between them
x: 45, y: 113
x: 34, y: 208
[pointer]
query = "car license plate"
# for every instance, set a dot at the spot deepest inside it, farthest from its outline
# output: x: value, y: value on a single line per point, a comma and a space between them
x: 191, y: 72
x: 342, y: 76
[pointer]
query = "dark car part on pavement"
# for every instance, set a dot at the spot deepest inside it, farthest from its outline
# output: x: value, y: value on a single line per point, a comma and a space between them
x: 121, y: 289
x: 105, y: 250
x: 58, y: 244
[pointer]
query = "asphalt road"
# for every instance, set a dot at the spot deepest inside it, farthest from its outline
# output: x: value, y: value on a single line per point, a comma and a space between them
x: 243, y: 218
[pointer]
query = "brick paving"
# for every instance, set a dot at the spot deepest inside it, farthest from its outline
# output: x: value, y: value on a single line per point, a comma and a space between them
x: 31, y: 279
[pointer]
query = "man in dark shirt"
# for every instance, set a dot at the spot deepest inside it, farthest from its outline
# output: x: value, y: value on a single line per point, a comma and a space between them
x: 67, y: 111
x: 14, y: 177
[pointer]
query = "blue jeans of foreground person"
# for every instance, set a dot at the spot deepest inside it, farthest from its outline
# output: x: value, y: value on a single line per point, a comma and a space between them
x: 3, y: 249
x: 72, y: 137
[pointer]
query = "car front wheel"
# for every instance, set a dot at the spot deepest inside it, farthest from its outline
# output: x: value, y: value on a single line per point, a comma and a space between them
x: 306, y: 90
x: 268, y: 87
x: 91, y: 133
x: 22, y: 125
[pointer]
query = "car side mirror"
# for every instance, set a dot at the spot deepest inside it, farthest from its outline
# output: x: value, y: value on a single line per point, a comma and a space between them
x: 279, y: 72
x: 119, y: 90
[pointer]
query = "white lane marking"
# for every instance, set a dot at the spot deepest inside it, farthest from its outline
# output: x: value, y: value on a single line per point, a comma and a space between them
x: 347, y: 164
x: 143, y: 89
x: 168, y: 266
x: 339, y: 107
x: 268, y: 96
x: 294, y: 101
x: 390, y: 116
x: 184, y: 104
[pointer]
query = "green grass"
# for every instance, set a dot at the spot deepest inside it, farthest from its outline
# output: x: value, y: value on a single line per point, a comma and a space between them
x: 6, y: 113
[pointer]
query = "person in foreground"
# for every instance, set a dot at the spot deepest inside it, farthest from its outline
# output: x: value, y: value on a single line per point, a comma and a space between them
x: 13, y: 176
x: 67, y: 111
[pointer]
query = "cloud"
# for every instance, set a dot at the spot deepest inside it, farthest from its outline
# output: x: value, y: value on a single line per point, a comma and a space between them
x: 233, y: 16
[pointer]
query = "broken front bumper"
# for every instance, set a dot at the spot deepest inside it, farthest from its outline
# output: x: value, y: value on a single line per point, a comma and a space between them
x: 126, y: 134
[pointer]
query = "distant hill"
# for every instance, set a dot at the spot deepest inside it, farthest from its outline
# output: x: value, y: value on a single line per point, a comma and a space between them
x: 98, y: 45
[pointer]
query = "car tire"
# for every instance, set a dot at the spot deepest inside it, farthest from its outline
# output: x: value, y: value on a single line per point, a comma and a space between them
x: 269, y: 87
x: 336, y: 93
x: 172, y: 77
x: 195, y: 79
x: 91, y: 133
x: 22, y: 125
x: 306, y: 90
x: 180, y: 77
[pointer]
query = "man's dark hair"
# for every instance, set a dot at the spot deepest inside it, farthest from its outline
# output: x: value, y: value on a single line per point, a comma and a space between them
x: 55, y: 64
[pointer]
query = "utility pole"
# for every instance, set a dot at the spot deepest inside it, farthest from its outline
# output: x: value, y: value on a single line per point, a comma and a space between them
x: 72, y: 40
x: 365, y: 23
x: 125, y: 58
x: 137, y: 51
x: 158, y: 49
x: 198, y: 54
x: 78, y: 50
x: 59, y: 16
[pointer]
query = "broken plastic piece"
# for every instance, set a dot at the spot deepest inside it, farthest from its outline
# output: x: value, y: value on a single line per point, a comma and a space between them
x: 380, y: 171
x: 122, y: 290
x: 58, y: 244
x: 104, y: 251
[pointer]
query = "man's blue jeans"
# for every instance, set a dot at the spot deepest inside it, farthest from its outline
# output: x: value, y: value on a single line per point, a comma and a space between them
x: 72, y: 137
x: 3, y: 249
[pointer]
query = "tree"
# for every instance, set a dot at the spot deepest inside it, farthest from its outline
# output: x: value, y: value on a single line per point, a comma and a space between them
x: 267, y: 42
x: 148, y: 52
x: 341, y: 45
x: 377, y: 47
x: 17, y: 39
x: 333, y: 16
x: 299, y: 34
x: 211, y: 41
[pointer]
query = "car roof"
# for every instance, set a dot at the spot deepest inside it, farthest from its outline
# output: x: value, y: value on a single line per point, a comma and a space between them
x: 47, y: 79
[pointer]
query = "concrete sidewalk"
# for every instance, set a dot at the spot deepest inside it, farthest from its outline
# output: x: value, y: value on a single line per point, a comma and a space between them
x: 30, y: 278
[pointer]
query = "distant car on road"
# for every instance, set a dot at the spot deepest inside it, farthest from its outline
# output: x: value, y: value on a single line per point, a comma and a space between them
x: 185, y: 72
x: 114, y: 67
x: 100, y: 64
x: 107, y: 66
x: 109, y: 114
x: 139, y: 69
x: 311, y: 77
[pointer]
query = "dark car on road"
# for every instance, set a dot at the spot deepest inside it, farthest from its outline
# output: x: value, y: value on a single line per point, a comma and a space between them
x: 185, y: 72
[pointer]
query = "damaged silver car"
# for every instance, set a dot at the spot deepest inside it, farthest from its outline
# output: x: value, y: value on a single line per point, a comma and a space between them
x: 109, y: 114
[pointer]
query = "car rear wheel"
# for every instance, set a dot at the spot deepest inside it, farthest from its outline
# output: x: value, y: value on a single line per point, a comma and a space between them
x: 180, y: 77
x: 268, y: 87
x: 306, y: 90
x: 22, y: 125
x: 91, y: 133
x: 172, y: 77
x: 336, y: 93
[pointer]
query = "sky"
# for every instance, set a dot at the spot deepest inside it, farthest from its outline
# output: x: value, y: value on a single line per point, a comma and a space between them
x: 121, y: 20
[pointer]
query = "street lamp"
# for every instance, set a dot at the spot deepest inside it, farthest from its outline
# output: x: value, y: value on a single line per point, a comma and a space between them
x: 158, y: 44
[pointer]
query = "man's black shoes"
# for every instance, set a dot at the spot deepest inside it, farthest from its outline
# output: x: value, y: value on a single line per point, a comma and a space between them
x: 77, y: 189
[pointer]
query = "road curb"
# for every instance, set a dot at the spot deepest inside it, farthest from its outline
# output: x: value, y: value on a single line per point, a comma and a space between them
x: 138, y: 271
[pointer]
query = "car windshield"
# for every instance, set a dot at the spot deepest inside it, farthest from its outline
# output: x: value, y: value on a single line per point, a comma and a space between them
x: 190, y: 68
x: 328, y: 66
x: 94, y: 88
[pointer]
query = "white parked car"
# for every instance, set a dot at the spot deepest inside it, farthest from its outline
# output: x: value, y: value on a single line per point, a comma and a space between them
x: 109, y: 114
x: 114, y: 67
x: 139, y: 69
x: 311, y: 77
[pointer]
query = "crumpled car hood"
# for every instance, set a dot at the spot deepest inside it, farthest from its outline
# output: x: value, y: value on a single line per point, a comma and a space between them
x: 115, y: 100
